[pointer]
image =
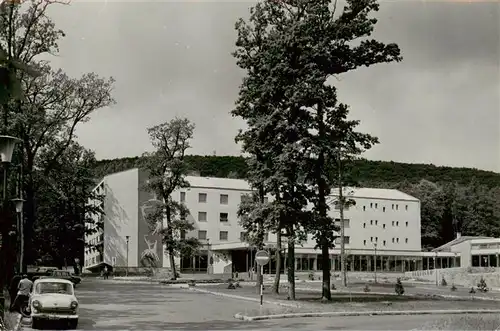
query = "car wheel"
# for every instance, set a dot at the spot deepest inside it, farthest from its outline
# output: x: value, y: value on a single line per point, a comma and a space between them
x: 36, y: 323
x: 72, y: 324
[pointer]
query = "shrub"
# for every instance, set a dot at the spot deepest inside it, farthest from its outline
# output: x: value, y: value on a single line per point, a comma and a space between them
x: 453, y: 288
x: 333, y: 286
x: 231, y: 285
x: 443, y: 282
x: 472, y: 290
x: 367, y: 288
x: 399, y: 288
x: 481, y: 286
x: 311, y: 276
x: 192, y: 282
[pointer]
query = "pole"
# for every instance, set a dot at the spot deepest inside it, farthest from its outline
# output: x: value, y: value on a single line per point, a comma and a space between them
x: 126, y: 270
x: 375, y: 266
x: 435, y: 268
x: 4, y: 230
x: 261, y: 292
x: 342, y: 225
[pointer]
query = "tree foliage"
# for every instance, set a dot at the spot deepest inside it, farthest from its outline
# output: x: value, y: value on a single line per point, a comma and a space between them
x: 167, y: 171
x: 65, y: 216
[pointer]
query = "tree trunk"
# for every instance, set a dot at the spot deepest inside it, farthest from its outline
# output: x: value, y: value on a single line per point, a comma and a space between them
x: 326, y: 286
x: 29, y: 228
x: 291, y: 265
x: 276, y: 287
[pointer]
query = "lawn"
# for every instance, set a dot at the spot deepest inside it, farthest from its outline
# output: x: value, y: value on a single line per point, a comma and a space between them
x: 343, y: 301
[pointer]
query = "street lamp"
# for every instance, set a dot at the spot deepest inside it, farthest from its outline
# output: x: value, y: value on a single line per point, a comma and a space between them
x: 126, y: 270
x: 375, y: 266
x: 7, y: 145
x: 209, y: 258
x: 18, y: 203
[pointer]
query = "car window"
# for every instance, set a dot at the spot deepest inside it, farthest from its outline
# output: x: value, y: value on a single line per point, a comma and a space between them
x: 54, y: 287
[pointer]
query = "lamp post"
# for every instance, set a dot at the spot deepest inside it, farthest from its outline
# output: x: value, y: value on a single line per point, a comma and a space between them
x: 7, y: 145
x: 209, y: 258
x: 18, y: 203
x: 375, y: 265
x: 126, y: 270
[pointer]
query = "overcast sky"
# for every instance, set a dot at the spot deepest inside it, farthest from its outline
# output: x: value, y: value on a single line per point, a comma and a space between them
x: 441, y: 105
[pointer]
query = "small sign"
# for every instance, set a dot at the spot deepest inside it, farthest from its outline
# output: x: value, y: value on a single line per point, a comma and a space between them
x: 262, y: 258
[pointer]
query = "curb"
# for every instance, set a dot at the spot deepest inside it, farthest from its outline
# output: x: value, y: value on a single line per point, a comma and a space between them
x: 239, y: 297
x: 443, y: 296
x: 242, y: 317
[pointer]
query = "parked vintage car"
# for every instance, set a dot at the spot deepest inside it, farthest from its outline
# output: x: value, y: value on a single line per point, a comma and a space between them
x: 53, y: 299
x: 63, y: 274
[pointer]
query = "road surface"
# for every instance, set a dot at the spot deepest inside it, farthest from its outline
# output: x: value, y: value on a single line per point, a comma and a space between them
x: 110, y: 306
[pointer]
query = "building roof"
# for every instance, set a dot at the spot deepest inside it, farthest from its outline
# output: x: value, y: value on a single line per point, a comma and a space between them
x: 446, y: 247
x: 242, y: 185
x: 375, y: 193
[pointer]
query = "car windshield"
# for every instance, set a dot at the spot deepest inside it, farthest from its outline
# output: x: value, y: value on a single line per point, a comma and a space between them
x: 61, y: 273
x: 53, y: 287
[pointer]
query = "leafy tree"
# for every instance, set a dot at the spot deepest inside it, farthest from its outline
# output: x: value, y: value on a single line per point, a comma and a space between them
x: 53, y: 104
x: 65, y: 216
x: 167, y: 170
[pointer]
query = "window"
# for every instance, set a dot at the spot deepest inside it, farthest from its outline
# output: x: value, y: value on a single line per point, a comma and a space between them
x: 397, y: 207
x: 202, y: 216
x: 376, y: 205
x: 371, y: 239
x: 245, y: 198
x: 376, y: 222
x: 397, y: 223
x: 384, y: 242
x: 364, y: 225
x: 393, y: 240
x: 406, y: 207
x: 406, y: 240
x: 371, y: 205
x: 243, y: 236
x: 364, y: 242
x: 364, y: 208
x: 393, y: 206
x: 383, y: 226
x: 339, y: 224
x: 371, y: 222
x: 223, y: 217
x: 202, y: 234
x: 223, y: 235
x: 383, y: 209
x: 224, y: 199
x: 392, y: 223
x: 406, y: 223
x: 376, y: 239
x: 183, y: 196
x: 397, y: 240
x: 202, y: 197
x: 338, y: 240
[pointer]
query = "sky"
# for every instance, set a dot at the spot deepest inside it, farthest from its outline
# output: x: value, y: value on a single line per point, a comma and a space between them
x: 440, y: 105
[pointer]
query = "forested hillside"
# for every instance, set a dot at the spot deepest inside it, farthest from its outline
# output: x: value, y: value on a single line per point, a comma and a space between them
x: 469, y: 196
x: 369, y: 173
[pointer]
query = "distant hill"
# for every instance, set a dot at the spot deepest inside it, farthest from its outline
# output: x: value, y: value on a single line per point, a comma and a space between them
x: 366, y: 172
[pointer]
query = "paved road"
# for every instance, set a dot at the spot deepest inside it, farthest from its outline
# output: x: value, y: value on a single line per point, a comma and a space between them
x: 107, y: 306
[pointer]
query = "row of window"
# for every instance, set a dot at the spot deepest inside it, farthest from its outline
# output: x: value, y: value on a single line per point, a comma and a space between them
x: 375, y: 222
x: 223, y: 235
x: 374, y: 241
x: 224, y: 200
x: 223, y: 217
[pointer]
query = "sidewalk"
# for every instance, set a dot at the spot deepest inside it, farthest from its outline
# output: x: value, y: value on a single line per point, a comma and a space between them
x: 11, y: 320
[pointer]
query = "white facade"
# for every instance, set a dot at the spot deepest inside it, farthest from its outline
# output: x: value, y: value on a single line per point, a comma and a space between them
x: 388, y: 218
x: 92, y: 256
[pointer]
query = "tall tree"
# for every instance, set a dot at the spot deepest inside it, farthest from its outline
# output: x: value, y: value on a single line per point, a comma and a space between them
x: 65, y: 213
x: 276, y: 124
x: 53, y: 104
x: 167, y: 171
